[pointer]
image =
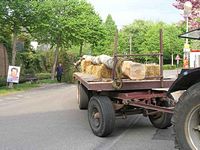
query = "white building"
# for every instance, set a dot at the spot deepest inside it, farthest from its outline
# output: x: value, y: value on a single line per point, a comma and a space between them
x: 194, y: 58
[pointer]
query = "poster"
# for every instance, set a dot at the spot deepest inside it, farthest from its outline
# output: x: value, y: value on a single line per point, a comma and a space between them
x: 13, y: 74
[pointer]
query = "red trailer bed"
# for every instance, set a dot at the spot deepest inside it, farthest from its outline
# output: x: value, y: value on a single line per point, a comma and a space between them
x: 95, y: 84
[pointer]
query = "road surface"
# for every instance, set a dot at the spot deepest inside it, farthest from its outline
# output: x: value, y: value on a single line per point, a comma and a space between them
x: 48, y: 118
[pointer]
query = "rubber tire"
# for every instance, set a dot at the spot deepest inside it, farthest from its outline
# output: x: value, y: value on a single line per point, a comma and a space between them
x: 164, y: 121
x: 187, y: 102
x: 83, y: 97
x: 107, y: 115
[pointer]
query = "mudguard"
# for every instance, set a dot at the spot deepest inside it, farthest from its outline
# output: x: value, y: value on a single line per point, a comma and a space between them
x: 186, y: 79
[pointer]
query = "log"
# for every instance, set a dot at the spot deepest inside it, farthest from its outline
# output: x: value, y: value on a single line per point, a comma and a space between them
x: 134, y: 71
x: 101, y: 66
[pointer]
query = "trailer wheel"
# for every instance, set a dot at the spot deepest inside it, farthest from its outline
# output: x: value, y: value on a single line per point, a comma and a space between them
x: 83, y: 96
x: 161, y: 120
x: 186, y: 119
x: 101, y: 115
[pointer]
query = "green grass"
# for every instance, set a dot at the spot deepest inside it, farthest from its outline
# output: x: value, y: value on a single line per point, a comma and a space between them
x: 47, y: 81
x: 17, y: 88
x: 170, y: 67
x: 4, y: 90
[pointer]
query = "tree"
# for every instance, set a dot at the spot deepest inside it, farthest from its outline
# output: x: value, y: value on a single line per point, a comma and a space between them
x: 64, y: 23
x: 173, y: 45
x: 15, y: 16
x: 145, y: 39
x: 106, y: 45
x: 90, y: 28
x: 136, y: 31
x: 195, y: 14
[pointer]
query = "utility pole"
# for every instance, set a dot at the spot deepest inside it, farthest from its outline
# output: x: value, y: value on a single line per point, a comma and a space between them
x: 130, y: 42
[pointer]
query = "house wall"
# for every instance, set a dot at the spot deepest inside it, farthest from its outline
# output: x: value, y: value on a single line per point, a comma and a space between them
x: 194, y: 58
x: 3, y: 61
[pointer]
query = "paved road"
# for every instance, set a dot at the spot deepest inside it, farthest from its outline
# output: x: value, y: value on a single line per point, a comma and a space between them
x: 171, y: 73
x: 48, y: 118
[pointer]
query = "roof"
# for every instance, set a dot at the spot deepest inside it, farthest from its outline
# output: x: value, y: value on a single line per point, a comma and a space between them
x: 194, y: 34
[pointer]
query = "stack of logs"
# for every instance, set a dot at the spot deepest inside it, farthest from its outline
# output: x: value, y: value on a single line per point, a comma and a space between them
x: 101, y: 66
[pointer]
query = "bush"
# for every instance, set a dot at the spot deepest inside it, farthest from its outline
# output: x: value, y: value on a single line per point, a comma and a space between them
x: 42, y: 76
x: 169, y: 67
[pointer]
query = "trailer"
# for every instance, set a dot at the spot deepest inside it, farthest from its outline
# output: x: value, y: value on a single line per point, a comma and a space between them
x: 104, y: 103
x: 107, y: 99
x: 152, y: 98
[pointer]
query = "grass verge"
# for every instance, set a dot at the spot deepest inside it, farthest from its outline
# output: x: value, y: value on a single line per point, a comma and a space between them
x: 4, y: 90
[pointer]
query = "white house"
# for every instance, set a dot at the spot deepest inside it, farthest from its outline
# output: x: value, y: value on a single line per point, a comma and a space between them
x: 194, y: 58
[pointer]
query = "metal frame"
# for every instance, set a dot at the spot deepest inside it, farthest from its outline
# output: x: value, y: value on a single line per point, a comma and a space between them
x: 160, y: 55
x: 139, y: 94
x: 144, y: 99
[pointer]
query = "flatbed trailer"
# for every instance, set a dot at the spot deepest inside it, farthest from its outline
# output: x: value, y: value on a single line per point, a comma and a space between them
x: 105, y: 103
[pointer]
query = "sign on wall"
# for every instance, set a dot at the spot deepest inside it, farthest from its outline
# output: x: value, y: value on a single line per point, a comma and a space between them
x: 13, y: 74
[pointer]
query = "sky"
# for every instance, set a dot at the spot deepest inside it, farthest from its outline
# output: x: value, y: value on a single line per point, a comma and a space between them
x: 124, y: 12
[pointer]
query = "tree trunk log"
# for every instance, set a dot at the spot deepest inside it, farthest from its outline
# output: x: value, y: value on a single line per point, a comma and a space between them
x: 14, y: 41
x: 81, y: 49
x: 14, y: 48
x: 55, y: 62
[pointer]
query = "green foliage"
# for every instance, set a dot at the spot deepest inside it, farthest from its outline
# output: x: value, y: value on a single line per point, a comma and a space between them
x: 47, y: 81
x: 15, y: 17
x: 172, y: 43
x: 42, y: 76
x: 66, y: 22
x: 72, y: 27
x: 106, y: 45
x: 31, y: 62
x: 145, y: 39
x: 169, y: 67
x: 195, y: 44
x: 17, y: 88
x: 136, y: 31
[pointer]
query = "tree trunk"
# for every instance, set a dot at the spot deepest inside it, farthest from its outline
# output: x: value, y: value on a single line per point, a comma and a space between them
x: 14, y: 48
x: 14, y: 41
x: 81, y: 49
x: 55, y: 62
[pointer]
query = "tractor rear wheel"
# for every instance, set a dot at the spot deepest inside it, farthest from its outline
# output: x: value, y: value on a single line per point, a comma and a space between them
x: 186, y: 119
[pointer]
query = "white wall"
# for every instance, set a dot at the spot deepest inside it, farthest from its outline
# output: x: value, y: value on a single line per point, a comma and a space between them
x: 194, y: 59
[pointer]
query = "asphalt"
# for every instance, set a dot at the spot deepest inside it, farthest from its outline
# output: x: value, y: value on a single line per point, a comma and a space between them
x: 48, y: 118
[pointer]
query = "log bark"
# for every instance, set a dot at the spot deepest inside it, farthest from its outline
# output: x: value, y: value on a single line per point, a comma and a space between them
x: 135, y: 71
x: 132, y: 70
x: 14, y: 41
x: 55, y: 62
